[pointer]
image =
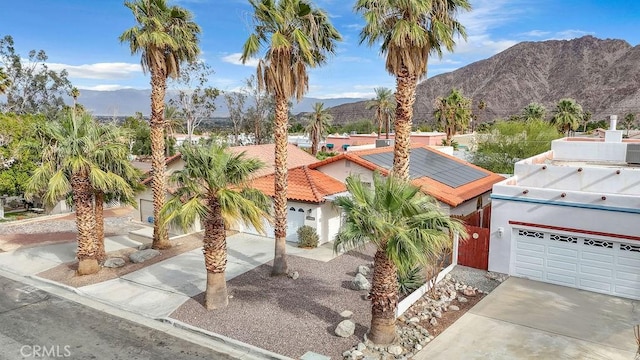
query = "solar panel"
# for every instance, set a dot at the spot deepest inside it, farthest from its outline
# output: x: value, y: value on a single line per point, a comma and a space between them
x: 440, y: 168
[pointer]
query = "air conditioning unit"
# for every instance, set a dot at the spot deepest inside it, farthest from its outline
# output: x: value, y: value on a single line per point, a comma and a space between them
x: 384, y: 142
x: 633, y: 153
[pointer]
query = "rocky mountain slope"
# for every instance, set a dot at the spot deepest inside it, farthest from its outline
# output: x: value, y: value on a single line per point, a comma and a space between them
x: 601, y: 75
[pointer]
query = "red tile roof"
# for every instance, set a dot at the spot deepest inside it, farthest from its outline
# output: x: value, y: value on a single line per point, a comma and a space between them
x: 303, y: 184
x: 442, y: 192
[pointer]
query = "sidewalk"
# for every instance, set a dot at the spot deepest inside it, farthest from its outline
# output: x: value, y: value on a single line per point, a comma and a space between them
x: 157, y: 290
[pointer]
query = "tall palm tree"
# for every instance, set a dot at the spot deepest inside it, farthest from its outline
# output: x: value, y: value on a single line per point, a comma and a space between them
x: 384, y: 105
x: 69, y: 165
x: 586, y: 117
x: 297, y: 36
x: 567, y: 115
x: 319, y: 121
x: 534, y: 112
x: 407, y: 228
x: 409, y: 31
x: 165, y: 36
x: 5, y: 82
x: 213, y: 187
x: 75, y: 93
x: 452, y: 114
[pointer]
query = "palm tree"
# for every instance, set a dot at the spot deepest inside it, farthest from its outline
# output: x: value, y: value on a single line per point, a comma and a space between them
x: 534, y: 112
x: 628, y: 122
x: 75, y: 93
x: 452, y: 114
x: 407, y: 228
x: 213, y: 187
x: 69, y: 165
x: 586, y: 117
x: 384, y: 105
x: 173, y: 120
x: 297, y: 37
x: 409, y: 31
x: 165, y: 36
x: 5, y: 82
x: 319, y: 121
x: 567, y: 115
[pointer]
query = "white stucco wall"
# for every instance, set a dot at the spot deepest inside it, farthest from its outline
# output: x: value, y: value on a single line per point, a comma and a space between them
x: 341, y: 169
x: 564, y: 149
x: 616, y: 214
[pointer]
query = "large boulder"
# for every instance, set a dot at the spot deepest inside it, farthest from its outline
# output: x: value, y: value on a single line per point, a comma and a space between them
x: 360, y: 283
x: 345, y: 328
x: 143, y: 255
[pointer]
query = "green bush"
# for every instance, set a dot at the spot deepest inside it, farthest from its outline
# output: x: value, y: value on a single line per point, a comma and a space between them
x: 410, y: 281
x: 307, y: 237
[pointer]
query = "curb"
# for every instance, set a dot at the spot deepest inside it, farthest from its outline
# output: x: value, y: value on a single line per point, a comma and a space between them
x: 216, y: 342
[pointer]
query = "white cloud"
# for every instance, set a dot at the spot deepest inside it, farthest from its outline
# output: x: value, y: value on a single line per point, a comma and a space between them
x: 345, y: 94
x: 104, y: 87
x: 103, y: 71
x: 235, y: 60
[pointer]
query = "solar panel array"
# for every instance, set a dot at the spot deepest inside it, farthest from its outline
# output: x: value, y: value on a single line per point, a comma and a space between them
x: 423, y: 162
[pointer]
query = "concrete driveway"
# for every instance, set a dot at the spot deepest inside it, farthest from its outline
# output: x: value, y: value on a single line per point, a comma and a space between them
x: 524, y: 319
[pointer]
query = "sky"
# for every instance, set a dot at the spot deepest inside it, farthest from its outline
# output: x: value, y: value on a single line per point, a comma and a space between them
x: 81, y: 36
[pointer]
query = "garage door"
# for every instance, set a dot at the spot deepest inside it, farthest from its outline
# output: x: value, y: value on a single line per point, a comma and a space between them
x: 601, y: 265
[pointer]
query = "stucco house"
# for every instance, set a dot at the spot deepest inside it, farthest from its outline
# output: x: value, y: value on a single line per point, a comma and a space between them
x: 571, y: 216
x: 307, y: 192
x: 460, y: 187
x: 296, y: 157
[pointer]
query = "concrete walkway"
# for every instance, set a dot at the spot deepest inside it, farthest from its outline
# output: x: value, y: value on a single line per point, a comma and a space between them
x: 524, y: 319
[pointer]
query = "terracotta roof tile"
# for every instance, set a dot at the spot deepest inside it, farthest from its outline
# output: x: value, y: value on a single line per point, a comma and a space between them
x: 442, y: 192
x: 303, y: 184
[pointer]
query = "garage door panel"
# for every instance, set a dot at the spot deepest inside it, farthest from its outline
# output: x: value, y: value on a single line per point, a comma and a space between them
x: 605, y: 266
x: 561, y: 278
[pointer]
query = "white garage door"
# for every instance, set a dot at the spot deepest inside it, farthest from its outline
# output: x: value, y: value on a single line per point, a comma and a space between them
x: 600, y: 265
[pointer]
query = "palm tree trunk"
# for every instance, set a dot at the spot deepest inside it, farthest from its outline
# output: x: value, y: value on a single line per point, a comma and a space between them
x: 387, y: 125
x: 215, y: 257
x: 280, y: 198
x: 101, y: 254
x: 158, y: 166
x: 86, y: 223
x: 384, y: 299
x: 405, y: 97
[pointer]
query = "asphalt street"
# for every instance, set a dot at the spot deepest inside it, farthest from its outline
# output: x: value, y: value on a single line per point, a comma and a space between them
x: 37, y: 325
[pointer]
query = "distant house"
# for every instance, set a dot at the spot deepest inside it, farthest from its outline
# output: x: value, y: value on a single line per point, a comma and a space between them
x: 341, y: 143
x: 460, y: 187
x: 571, y: 216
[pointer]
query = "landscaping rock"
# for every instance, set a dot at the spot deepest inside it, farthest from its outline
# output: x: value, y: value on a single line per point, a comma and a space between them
x: 462, y: 299
x: 360, y: 283
x: 469, y: 292
x: 346, y: 314
x: 115, y: 262
x: 395, y: 350
x: 453, y: 308
x: 364, y: 270
x: 345, y: 328
x: 143, y: 255
x: 294, y: 275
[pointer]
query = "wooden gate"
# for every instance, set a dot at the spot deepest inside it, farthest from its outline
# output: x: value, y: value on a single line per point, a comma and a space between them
x: 474, y: 251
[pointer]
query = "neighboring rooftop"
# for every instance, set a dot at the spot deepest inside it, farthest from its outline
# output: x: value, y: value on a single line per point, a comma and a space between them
x: 303, y: 184
x: 296, y: 157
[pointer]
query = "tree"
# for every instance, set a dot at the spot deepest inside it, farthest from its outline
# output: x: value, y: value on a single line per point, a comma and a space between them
x: 586, y: 118
x: 296, y: 37
x: 567, y: 115
x: 5, y: 82
x: 29, y: 85
x: 534, y: 112
x: 452, y: 114
x: 196, y: 99
x: 69, y: 164
x: 482, y: 106
x: 259, y: 115
x: 409, y: 31
x: 173, y: 120
x: 407, y: 228
x: 318, y: 123
x: 165, y: 36
x: 384, y: 105
x: 19, y: 151
x: 213, y: 187
x: 510, y: 141
x: 235, y: 104
x: 140, y: 143
x: 629, y: 121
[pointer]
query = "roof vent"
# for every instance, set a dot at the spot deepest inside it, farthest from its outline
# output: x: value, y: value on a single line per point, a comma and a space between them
x: 633, y: 153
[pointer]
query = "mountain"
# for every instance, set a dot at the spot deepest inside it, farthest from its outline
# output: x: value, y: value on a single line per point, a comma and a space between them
x: 601, y: 75
x: 126, y: 102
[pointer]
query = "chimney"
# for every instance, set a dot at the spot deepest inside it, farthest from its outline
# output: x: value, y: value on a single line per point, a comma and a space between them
x: 613, y: 122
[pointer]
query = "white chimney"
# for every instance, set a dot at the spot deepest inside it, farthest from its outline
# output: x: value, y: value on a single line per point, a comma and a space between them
x: 613, y: 122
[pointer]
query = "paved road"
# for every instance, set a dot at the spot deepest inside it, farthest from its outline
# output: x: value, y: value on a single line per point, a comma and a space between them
x: 37, y: 325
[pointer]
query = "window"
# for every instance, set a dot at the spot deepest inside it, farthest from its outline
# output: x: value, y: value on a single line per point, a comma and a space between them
x: 599, y: 243
x: 563, y: 238
x: 531, y: 234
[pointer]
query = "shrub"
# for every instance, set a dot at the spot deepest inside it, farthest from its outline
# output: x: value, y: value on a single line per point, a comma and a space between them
x: 307, y: 237
x: 411, y: 281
